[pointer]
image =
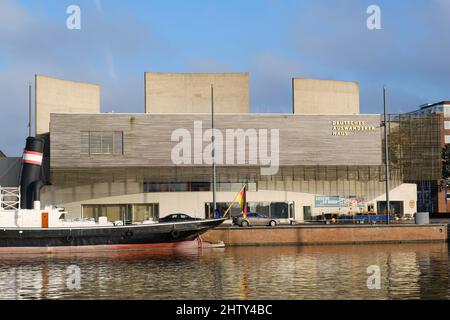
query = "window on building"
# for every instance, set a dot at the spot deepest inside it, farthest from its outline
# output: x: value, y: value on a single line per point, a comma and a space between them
x: 447, y: 125
x: 142, y: 212
x: 101, y: 142
x: 200, y: 186
x: 279, y: 210
x: 276, y: 210
x: 235, y: 187
x: 447, y: 111
x: 113, y: 212
x: 260, y: 207
x: 447, y: 138
x: 149, y: 186
x: 128, y: 213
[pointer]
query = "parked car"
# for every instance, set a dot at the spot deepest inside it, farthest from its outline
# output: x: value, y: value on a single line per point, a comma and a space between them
x: 177, y: 217
x: 256, y: 219
x: 234, y: 219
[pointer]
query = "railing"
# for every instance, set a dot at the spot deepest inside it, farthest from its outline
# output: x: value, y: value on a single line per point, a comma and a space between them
x: 9, y: 198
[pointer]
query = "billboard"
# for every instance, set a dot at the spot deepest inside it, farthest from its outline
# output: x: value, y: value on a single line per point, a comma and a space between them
x: 339, y: 201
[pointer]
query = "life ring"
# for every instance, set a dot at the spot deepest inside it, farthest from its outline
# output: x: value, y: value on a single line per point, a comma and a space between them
x: 175, y: 234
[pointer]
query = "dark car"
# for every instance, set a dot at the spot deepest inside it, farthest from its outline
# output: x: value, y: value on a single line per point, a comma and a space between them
x: 177, y: 217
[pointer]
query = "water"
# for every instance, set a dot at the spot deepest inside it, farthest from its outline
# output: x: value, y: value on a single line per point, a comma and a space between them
x: 408, y: 271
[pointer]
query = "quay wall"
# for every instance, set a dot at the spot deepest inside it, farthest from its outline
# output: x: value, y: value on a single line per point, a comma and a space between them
x: 314, y: 235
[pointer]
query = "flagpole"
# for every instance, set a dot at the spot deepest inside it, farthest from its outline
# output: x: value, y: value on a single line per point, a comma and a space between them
x: 29, y: 109
x: 234, y: 200
x: 386, y: 162
x: 213, y: 138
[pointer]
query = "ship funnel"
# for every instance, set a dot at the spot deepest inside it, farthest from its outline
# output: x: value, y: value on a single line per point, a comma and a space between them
x: 31, y: 176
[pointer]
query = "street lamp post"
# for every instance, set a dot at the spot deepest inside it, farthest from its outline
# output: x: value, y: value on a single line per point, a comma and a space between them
x: 386, y: 156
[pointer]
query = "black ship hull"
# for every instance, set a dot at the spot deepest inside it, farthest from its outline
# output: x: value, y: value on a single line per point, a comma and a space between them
x: 111, y: 236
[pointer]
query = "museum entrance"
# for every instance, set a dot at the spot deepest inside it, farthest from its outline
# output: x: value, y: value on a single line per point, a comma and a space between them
x: 307, y: 213
x: 395, y: 207
x: 277, y: 210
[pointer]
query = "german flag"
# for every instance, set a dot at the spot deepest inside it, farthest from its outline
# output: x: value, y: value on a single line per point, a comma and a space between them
x: 242, y: 200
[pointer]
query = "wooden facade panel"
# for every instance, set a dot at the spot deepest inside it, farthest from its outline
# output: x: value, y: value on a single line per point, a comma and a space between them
x: 304, y: 140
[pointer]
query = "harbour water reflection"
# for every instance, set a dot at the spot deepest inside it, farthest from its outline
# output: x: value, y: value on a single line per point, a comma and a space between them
x: 408, y: 271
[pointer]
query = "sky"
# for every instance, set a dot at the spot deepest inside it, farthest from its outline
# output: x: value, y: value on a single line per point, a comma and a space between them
x: 273, y: 40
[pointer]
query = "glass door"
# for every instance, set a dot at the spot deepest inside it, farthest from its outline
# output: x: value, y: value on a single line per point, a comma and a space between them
x: 125, y: 213
x: 307, y: 213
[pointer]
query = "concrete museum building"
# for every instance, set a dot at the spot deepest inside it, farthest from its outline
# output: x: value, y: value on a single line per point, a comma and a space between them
x: 324, y: 157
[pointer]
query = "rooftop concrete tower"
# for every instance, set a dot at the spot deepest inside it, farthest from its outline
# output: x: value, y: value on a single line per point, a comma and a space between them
x: 191, y: 92
x: 314, y: 96
x: 60, y: 96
